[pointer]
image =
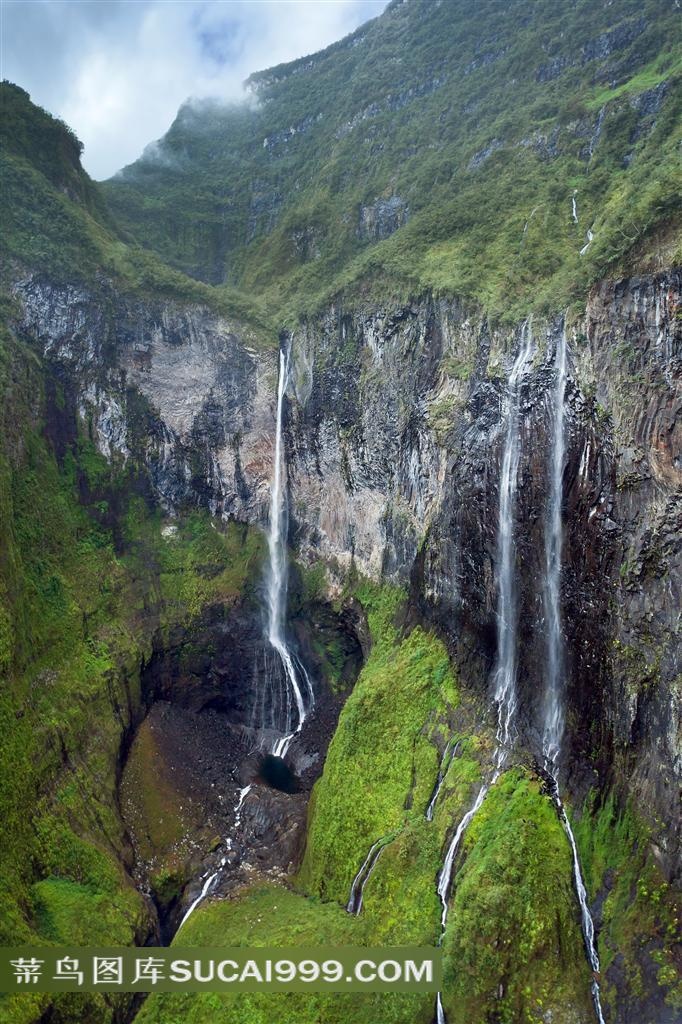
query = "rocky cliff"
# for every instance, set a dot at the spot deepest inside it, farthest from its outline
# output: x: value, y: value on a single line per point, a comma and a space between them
x: 488, y: 178
x: 393, y: 443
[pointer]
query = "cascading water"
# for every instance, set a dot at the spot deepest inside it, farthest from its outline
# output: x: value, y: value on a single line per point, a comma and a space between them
x: 554, y: 698
x: 507, y: 615
x: 357, y: 889
x: 299, y: 692
x: 553, y: 712
x: 507, y: 610
x: 206, y: 888
x: 449, y: 754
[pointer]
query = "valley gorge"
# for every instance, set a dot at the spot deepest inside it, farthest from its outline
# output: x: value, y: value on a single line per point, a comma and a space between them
x: 344, y: 610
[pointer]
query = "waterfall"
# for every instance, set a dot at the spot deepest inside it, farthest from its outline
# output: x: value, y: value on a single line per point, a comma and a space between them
x: 586, y: 922
x: 205, y: 889
x: 449, y: 754
x: 554, y: 716
x: 507, y: 610
x: 588, y: 243
x: 554, y: 697
x: 299, y: 692
x: 357, y: 889
x: 507, y: 614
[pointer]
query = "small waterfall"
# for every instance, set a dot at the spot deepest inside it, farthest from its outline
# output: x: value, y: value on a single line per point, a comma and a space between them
x: 588, y: 243
x: 445, y: 875
x: 574, y: 206
x: 205, y: 890
x: 554, y: 698
x: 506, y: 669
x: 357, y: 889
x: 586, y: 922
x: 299, y: 691
x: 449, y: 754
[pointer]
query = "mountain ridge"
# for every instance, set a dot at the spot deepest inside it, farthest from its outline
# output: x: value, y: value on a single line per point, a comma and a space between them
x: 368, y: 158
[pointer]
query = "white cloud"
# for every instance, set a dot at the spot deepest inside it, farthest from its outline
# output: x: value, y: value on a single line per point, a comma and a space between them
x: 117, y: 70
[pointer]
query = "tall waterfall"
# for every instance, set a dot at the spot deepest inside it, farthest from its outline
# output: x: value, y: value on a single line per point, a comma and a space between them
x: 507, y: 616
x: 553, y: 729
x: 299, y: 696
x: 299, y: 692
x: 507, y: 608
x: 553, y: 712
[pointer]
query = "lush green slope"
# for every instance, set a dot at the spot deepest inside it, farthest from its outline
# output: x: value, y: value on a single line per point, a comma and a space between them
x: 377, y: 782
x: 55, y: 220
x: 472, y: 125
x: 87, y: 584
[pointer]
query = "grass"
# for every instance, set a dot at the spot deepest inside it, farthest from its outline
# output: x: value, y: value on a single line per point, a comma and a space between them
x: 381, y: 758
x: 56, y: 222
x: 513, y: 944
x: 271, y: 915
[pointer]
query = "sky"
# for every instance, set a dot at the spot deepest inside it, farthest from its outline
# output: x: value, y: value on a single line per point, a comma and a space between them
x: 117, y: 70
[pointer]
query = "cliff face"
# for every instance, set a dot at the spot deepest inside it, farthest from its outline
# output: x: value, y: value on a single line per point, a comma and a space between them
x: 173, y: 387
x: 393, y: 433
x: 396, y: 207
x: 635, y: 338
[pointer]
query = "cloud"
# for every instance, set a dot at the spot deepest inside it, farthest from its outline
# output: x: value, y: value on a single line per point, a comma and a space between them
x: 117, y: 70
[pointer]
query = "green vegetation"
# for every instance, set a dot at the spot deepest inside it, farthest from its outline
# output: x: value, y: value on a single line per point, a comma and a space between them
x: 513, y: 944
x: 165, y: 822
x: 513, y: 902
x: 381, y: 760
x: 481, y: 120
x: 55, y: 221
x: 641, y: 911
x: 84, y: 593
x: 477, y: 123
x: 274, y: 916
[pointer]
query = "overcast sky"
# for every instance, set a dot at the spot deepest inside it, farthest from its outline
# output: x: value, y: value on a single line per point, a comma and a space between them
x: 117, y: 70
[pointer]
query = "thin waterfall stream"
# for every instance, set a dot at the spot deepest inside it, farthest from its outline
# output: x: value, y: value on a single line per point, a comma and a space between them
x: 357, y: 889
x: 299, y: 697
x: 553, y: 728
x: 507, y: 614
x: 449, y: 754
x: 299, y: 691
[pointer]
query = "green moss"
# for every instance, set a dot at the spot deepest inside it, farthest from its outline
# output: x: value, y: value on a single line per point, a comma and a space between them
x: 513, y: 945
x: 492, y: 224
x: 381, y: 759
x: 641, y: 911
x: 665, y: 66
x: 83, y: 595
x: 81, y: 915
x: 270, y: 915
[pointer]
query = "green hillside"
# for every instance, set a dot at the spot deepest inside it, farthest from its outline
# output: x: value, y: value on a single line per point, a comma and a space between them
x: 439, y: 146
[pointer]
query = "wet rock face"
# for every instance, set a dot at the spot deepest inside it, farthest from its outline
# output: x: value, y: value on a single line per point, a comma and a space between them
x: 455, y: 580
x: 175, y: 388
x: 221, y: 663
x: 382, y: 218
x: 635, y: 337
x: 207, y: 691
x: 394, y: 428
x: 365, y: 463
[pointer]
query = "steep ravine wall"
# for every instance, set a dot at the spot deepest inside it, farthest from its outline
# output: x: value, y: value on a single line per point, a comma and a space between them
x: 394, y: 430
x: 393, y: 449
